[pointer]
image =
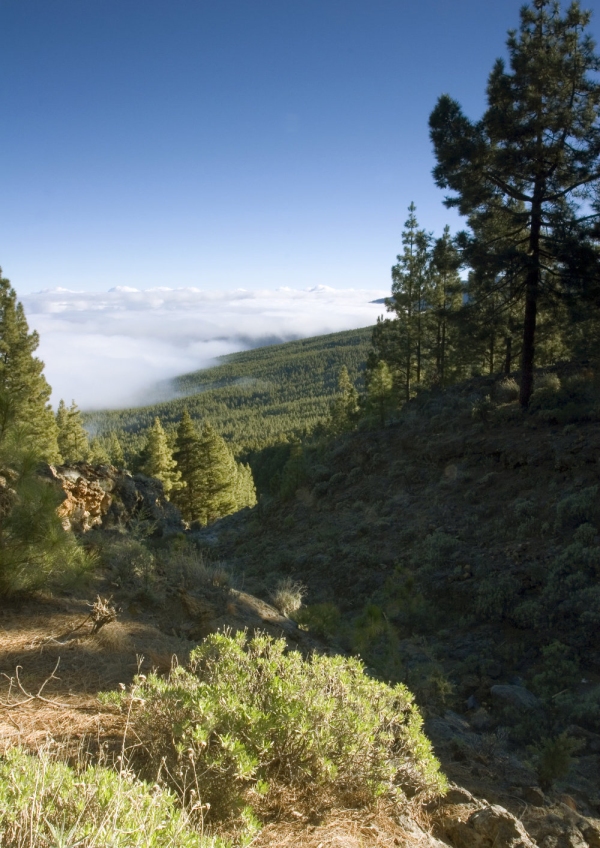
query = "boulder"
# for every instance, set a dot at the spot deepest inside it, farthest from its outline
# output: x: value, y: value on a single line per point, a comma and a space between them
x: 533, y: 795
x: 490, y: 827
x: 515, y: 696
x: 553, y: 831
x: 458, y: 795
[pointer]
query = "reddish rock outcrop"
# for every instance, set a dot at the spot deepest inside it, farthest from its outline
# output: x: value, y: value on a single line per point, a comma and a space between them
x: 104, y: 496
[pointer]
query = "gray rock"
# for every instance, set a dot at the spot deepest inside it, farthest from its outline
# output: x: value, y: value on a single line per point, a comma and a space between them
x: 458, y: 795
x: 534, y: 796
x: 551, y: 831
x: 591, y: 833
x: 515, y: 696
x: 456, y: 721
x: 491, y: 827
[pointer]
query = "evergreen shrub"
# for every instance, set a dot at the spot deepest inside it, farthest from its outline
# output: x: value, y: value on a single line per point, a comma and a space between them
x: 553, y: 758
x: 437, y: 549
x: 248, y: 718
x: 321, y: 619
x: 577, y: 508
x: 507, y: 390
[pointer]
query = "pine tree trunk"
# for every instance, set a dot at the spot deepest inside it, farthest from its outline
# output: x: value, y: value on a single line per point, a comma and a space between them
x: 532, y: 287
x: 443, y: 354
x: 508, y: 359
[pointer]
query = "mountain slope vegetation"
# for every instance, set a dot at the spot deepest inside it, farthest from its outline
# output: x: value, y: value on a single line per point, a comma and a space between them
x: 253, y: 398
x: 457, y: 551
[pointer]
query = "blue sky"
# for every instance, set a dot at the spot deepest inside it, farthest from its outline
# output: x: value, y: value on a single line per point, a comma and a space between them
x: 229, y: 143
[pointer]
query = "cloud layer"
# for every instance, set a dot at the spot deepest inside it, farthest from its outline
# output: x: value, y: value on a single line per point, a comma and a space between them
x: 118, y: 348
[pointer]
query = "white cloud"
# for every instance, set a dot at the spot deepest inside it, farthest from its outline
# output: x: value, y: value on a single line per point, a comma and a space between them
x: 113, y: 349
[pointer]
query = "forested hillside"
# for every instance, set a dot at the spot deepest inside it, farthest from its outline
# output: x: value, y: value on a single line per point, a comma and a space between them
x: 253, y: 398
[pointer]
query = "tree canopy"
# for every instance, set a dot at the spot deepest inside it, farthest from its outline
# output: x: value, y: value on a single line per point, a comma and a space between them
x: 527, y: 174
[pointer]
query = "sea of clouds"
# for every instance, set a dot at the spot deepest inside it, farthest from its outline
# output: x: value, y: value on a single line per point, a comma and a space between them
x: 121, y: 347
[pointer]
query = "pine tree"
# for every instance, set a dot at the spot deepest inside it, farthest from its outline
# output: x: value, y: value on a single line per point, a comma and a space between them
x: 531, y: 164
x: 294, y: 471
x: 115, y: 450
x: 159, y: 460
x: 245, y: 490
x: 98, y: 454
x: 379, y: 391
x: 24, y: 393
x: 344, y: 409
x: 219, y: 476
x: 72, y: 437
x: 188, y: 456
x: 410, y: 283
x: 445, y: 301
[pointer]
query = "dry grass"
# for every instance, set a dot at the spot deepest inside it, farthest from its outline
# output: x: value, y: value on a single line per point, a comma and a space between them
x: 35, y: 636
x: 377, y: 827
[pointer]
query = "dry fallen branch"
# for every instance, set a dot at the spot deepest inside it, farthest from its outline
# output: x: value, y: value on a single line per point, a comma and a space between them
x: 10, y: 705
x: 102, y: 612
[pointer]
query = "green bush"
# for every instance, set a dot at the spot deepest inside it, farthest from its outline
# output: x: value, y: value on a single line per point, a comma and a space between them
x: 321, y: 619
x: 248, y: 717
x: 495, y: 596
x: 44, y: 802
x: 507, y: 390
x: 587, y: 708
x: 585, y: 535
x: 560, y: 671
x: 577, y: 508
x: 553, y: 758
x: 437, y: 549
x: 547, y: 381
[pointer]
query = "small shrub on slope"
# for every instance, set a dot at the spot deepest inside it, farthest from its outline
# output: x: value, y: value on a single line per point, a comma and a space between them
x: 248, y: 719
x: 43, y: 802
x: 287, y: 596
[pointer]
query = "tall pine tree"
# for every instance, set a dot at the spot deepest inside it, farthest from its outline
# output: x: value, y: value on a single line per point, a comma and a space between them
x: 410, y: 279
x: 188, y: 456
x: 213, y: 484
x: 379, y: 391
x: 532, y: 162
x: 219, y: 476
x: 159, y: 460
x: 245, y: 490
x: 115, y: 450
x: 445, y: 299
x: 344, y: 409
x: 72, y: 437
x: 25, y: 412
